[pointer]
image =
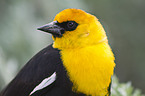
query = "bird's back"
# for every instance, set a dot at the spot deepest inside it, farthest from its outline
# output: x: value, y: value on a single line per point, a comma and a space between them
x: 41, y: 66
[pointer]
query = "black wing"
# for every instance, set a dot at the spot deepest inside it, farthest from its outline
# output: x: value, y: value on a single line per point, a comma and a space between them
x: 41, y: 66
x: 109, y: 89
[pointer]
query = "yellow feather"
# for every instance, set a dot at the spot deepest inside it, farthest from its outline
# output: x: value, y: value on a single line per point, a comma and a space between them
x: 90, y: 68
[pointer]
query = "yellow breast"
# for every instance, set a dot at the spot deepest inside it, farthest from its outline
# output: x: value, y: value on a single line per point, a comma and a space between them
x: 89, y: 68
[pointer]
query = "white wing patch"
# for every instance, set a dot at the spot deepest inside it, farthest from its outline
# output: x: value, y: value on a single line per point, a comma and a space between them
x: 45, y: 83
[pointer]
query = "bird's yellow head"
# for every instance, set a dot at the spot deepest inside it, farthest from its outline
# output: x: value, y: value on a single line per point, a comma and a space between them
x: 74, y: 28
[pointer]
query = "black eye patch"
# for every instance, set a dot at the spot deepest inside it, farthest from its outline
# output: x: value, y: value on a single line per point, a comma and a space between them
x: 69, y: 25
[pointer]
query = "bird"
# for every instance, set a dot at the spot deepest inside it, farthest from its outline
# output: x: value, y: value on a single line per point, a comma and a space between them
x: 79, y: 62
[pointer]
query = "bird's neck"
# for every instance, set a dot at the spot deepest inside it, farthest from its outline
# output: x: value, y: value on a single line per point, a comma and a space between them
x: 74, y: 46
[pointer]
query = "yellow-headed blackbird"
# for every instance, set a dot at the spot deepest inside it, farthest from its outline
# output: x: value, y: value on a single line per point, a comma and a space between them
x: 78, y: 63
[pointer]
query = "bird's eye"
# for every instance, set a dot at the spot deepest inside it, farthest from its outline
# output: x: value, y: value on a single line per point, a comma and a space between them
x: 70, y: 24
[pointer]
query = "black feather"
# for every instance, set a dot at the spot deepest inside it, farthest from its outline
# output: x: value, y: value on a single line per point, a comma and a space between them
x: 41, y: 66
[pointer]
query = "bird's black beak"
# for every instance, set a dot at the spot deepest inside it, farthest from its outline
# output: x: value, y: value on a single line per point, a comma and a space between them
x: 52, y: 28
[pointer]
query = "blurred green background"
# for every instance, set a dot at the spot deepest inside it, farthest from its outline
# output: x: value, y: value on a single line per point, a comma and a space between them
x: 123, y: 20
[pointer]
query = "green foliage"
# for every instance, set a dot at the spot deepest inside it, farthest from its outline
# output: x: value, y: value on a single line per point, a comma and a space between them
x: 123, y: 89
